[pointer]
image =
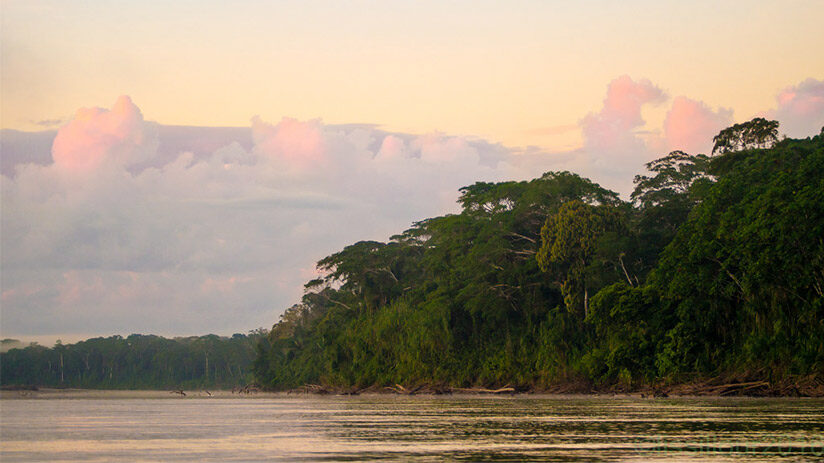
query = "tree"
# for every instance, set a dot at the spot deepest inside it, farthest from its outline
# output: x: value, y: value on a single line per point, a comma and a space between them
x: 663, y: 199
x: 745, y: 273
x: 675, y: 174
x: 364, y: 268
x: 137, y: 362
x: 527, y: 284
x: 570, y: 239
x: 757, y: 133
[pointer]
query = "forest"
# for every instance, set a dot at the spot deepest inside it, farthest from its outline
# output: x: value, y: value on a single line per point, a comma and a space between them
x: 712, y: 272
x: 135, y: 362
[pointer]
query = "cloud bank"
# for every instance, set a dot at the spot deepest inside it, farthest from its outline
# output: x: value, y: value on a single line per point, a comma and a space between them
x: 97, y: 136
x: 690, y: 125
x: 614, y: 143
x: 117, y: 234
x: 125, y: 225
x: 800, y: 109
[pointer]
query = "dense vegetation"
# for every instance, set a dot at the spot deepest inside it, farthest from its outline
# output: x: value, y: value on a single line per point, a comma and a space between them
x: 715, y: 267
x: 135, y: 362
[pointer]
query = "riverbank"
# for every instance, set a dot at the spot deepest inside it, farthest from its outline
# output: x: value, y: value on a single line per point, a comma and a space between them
x: 748, y: 384
x: 710, y: 387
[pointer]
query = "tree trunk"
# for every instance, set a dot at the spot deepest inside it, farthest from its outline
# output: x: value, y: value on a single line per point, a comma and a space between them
x: 621, y: 259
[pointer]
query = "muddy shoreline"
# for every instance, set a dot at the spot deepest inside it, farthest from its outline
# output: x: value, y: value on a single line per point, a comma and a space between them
x: 715, y: 387
x: 711, y: 387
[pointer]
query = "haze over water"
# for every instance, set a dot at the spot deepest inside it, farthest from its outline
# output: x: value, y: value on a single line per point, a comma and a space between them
x: 152, y: 427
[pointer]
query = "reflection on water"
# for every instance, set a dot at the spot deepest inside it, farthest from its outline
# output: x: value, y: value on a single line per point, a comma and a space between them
x: 382, y: 427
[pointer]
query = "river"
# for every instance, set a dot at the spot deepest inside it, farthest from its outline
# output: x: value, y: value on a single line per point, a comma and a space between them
x: 135, y: 427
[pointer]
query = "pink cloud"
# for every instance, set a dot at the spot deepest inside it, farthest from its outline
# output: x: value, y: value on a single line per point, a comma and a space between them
x: 613, y: 126
x: 392, y: 147
x: 614, y: 144
x: 440, y: 149
x: 800, y: 109
x: 96, y: 136
x: 690, y: 125
x: 300, y: 144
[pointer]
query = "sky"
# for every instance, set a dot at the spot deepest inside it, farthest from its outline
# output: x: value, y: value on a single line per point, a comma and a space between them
x: 177, y: 168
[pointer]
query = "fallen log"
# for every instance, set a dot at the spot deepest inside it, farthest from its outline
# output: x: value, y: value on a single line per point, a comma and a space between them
x: 481, y: 390
x: 437, y: 390
x: 398, y: 389
x: 317, y: 389
x: 730, y: 389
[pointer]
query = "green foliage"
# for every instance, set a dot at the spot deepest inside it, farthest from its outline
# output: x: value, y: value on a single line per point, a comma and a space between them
x: 716, y: 266
x: 757, y: 133
x: 569, y: 243
x: 674, y: 177
x: 663, y: 202
x: 458, y: 299
x: 626, y: 324
x: 744, y: 274
x: 135, y: 362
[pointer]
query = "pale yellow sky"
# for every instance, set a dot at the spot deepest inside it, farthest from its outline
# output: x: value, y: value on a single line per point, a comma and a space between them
x: 519, y: 73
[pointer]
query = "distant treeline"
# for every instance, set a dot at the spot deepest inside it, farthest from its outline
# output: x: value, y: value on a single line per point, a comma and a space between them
x: 135, y: 362
x: 714, y: 268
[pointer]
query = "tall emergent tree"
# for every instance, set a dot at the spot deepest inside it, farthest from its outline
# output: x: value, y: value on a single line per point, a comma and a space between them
x: 570, y: 240
x: 757, y: 133
x: 663, y: 199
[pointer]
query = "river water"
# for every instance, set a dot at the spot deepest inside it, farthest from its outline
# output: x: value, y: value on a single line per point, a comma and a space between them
x: 162, y: 427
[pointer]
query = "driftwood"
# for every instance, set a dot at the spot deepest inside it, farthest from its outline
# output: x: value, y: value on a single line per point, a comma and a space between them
x: 811, y: 385
x: 310, y: 389
x: 247, y: 389
x: 436, y: 390
x: 351, y: 391
x: 480, y: 390
x: 727, y: 386
x: 317, y: 389
x: 398, y: 389
x: 737, y: 388
x: 322, y: 390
